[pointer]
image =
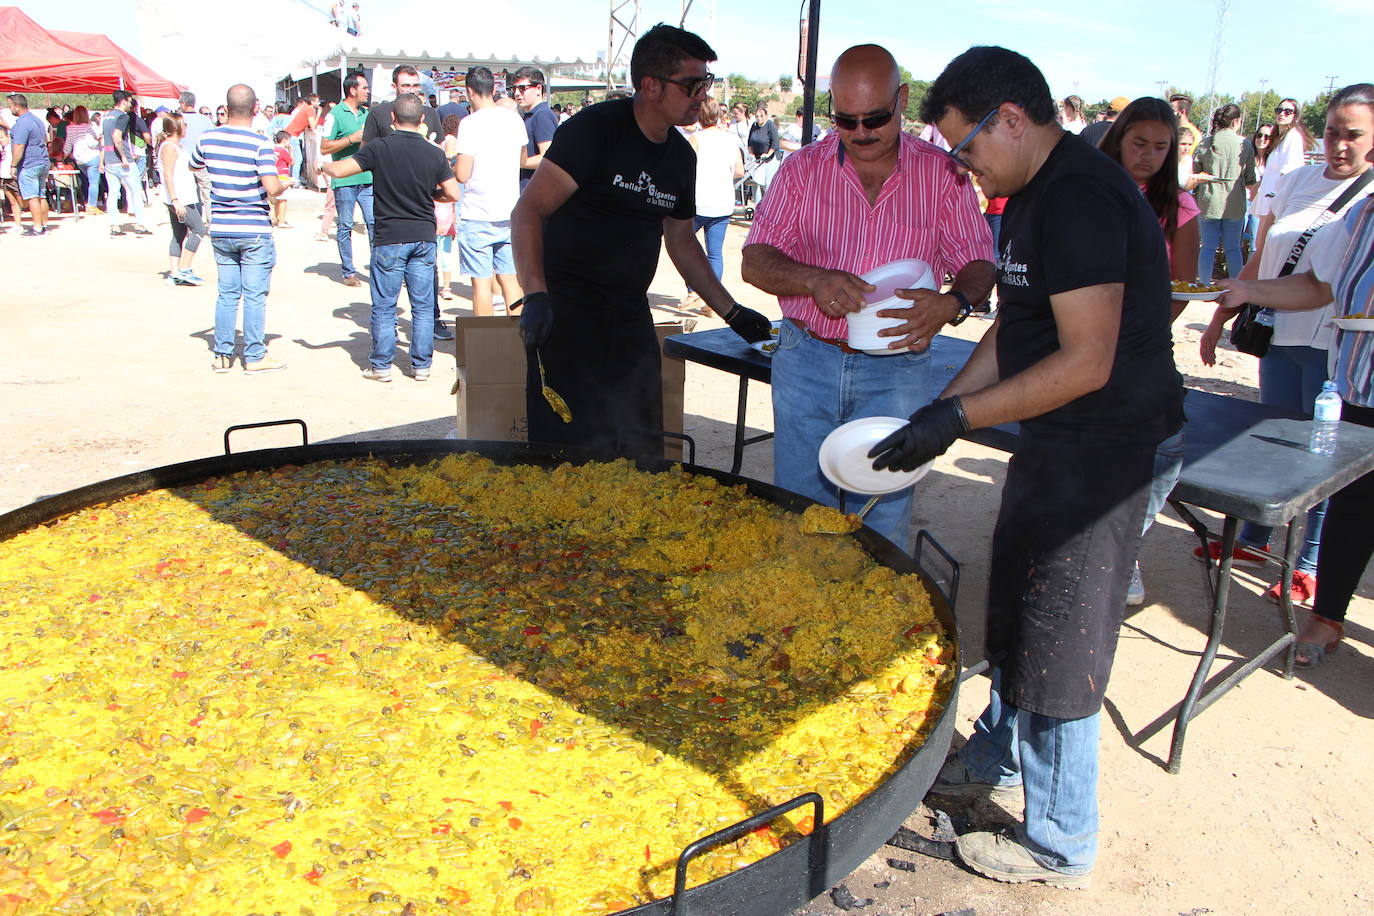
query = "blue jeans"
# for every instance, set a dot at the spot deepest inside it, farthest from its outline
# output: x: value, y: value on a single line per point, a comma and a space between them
x: 1291, y: 378
x: 715, y: 227
x: 1168, y: 466
x: 297, y: 158
x: 245, y: 272
x: 995, y: 225
x: 1251, y: 227
x: 344, y: 199
x: 33, y: 181
x: 412, y: 262
x: 816, y: 388
x: 1226, y: 234
x: 92, y: 172
x: 119, y: 175
x: 1055, y: 763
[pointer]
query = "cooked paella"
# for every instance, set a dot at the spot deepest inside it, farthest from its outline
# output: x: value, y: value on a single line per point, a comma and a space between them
x: 458, y: 687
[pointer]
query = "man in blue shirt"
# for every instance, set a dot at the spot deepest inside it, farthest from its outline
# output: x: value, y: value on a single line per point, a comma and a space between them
x: 530, y: 93
x: 29, y: 138
x: 454, y: 106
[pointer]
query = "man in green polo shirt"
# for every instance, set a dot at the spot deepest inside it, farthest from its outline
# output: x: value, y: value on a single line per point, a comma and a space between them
x: 342, y: 141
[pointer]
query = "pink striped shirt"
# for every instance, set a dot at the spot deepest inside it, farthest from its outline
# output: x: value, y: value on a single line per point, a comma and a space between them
x: 815, y: 212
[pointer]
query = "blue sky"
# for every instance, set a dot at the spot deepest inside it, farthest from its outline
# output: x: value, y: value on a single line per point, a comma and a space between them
x: 1099, y: 49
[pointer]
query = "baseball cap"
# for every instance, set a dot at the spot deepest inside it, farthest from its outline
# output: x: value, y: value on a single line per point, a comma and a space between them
x: 1119, y: 104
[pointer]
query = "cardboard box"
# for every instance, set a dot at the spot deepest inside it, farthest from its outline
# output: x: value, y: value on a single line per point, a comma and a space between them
x: 491, y: 381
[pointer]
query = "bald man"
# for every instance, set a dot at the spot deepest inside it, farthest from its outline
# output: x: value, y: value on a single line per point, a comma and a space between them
x: 242, y: 166
x: 863, y: 196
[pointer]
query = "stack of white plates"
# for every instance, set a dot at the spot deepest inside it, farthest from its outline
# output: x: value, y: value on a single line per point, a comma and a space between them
x: 845, y: 462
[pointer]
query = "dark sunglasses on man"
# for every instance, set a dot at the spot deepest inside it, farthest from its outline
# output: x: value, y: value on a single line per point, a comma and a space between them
x: 870, y: 122
x: 519, y: 88
x: 698, y: 85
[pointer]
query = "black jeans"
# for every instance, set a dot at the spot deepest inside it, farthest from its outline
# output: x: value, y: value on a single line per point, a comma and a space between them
x: 1347, y: 537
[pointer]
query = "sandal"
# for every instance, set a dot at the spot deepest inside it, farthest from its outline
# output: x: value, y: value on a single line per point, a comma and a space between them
x: 1310, y: 654
x: 446, y: 294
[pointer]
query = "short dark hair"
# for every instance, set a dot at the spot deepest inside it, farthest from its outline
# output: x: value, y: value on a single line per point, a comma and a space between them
x: 450, y: 125
x: 1187, y: 101
x: 663, y: 49
x: 351, y: 81
x: 19, y: 99
x: 120, y: 95
x: 403, y: 69
x: 533, y: 74
x: 982, y: 78
x: 480, y: 81
x: 408, y: 109
x: 280, y: 136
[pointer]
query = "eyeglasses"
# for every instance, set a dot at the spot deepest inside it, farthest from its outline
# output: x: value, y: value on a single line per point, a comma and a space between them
x: 521, y: 87
x: 957, y: 152
x: 869, y: 122
x: 1285, y: 110
x: 408, y: 87
x: 694, y: 86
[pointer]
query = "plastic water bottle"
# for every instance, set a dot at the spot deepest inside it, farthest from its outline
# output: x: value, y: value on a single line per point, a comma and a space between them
x: 1326, y: 421
x: 1265, y: 317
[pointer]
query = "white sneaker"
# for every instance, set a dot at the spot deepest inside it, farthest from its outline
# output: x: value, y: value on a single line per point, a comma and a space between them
x: 1135, y: 592
x: 377, y: 375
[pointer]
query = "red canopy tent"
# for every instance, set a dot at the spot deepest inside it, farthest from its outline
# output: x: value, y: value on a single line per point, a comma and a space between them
x: 139, y: 78
x: 32, y: 60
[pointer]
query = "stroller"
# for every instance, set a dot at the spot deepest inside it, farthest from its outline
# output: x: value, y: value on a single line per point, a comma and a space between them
x: 748, y: 190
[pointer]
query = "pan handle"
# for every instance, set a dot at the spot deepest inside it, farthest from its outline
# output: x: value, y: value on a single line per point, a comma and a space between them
x: 305, y: 434
x: 743, y: 828
x: 923, y: 537
x: 667, y: 434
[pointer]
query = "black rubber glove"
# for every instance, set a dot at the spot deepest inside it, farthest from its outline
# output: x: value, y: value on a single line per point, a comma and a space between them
x: 931, y: 432
x: 536, y: 319
x: 749, y: 324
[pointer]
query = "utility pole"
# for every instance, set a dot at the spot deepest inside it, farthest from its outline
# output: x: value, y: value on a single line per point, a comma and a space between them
x: 1259, y: 105
x: 1330, y: 85
x: 1161, y: 84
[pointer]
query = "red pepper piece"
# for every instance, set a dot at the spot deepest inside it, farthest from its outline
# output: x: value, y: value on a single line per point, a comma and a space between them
x: 509, y: 806
x: 515, y: 823
x: 717, y: 699
x: 535, y: 725
x: 282, y: 849
x: 108, y: 816
x: 180, y: 675
x: 534, y: 630
x: 313, y: 876
x: 196, y: 815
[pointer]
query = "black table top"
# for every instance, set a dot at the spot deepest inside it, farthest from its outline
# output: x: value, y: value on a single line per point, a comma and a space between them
x: 1242, y: 458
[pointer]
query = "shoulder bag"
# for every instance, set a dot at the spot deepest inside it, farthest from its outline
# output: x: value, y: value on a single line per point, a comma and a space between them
x: 1253, y: 327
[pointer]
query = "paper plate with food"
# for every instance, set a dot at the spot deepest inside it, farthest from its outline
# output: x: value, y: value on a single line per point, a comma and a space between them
x: 1359, y: 322
x: 1196, y: 292
x: 766, y: 347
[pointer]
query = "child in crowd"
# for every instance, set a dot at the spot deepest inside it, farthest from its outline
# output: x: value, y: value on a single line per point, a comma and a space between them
x: 282, y: 143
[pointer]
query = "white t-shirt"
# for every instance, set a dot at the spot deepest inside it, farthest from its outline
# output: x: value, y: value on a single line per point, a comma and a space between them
x: 717, y: 154
x: 1075, y: 127
x: 493, y: 137
x: 1289, y: 155
x: 181, y: 181
x: 1299, y: 200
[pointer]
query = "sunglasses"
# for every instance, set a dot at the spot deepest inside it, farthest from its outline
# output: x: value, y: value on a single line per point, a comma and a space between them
x: 869, y: 122
x: 957, y: 153
x: 694, y: 86
x: 521, y: 87
x: 1285, y: 111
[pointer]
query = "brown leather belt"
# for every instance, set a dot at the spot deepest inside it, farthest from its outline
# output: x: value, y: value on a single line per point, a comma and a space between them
x: 843, y: 346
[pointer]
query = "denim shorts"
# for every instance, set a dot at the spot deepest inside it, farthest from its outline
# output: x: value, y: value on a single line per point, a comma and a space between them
x: 484, y: 249
x: 33, y: 181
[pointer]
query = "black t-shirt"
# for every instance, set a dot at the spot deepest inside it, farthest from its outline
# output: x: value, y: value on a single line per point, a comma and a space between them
x: 405, y: 171
x: 763, y: 137
x: 1094, y: 132
x: 378, y: 123
x: 603, y: 243
x: 1081, y: 221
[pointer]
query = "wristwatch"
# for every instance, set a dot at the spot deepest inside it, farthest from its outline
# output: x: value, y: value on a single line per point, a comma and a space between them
x: 965, y: 307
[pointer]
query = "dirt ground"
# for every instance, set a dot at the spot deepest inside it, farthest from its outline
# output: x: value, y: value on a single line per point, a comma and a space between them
x: 107, y: 370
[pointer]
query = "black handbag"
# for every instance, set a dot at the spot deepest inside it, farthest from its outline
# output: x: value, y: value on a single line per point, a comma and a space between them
x: 1252, y: 329
x: 1248, y: 334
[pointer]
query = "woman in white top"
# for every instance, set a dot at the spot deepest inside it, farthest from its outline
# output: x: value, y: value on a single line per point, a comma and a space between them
x: 720, y: 163
x: 182, y: 198
x: 1288, y: 148
x: 1292, y: 372
x: 1071, y: 114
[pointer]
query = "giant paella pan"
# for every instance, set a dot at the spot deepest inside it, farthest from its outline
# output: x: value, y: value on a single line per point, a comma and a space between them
x: 454, y: 677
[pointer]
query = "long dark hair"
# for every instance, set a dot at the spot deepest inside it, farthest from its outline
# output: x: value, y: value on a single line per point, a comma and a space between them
x: 1280, y: 133
x: 1161, y: 189
x: 1262, y: 152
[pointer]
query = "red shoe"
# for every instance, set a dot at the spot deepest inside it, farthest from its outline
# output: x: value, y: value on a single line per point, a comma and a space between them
x: 1303, y: 590
x: 1240, y: 556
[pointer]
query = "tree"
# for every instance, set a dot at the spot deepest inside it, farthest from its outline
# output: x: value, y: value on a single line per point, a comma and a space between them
x: 785, y: 83
x: 1314, y: 114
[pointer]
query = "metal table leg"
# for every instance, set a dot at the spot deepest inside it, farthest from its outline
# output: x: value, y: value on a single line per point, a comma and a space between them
x: 1197, y: 699
x: 739, y: 425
